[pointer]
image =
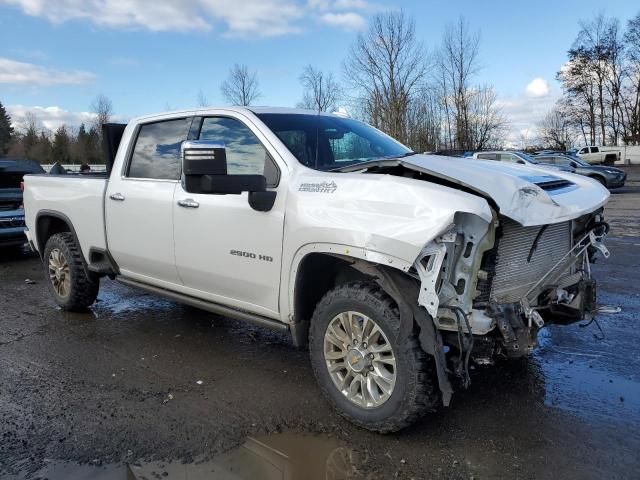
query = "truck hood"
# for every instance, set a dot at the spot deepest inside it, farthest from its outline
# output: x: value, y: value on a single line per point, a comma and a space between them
x: 528, y: 195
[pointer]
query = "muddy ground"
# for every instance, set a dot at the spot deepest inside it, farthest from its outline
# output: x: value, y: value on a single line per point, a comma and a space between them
x: 140, y: 379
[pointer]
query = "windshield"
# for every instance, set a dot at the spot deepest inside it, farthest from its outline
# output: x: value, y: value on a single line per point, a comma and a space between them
x: 526, y: 157
x: 324, y: 142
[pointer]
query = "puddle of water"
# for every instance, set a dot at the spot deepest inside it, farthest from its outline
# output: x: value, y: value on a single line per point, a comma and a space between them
x: 582, y: 379
x: 274, y: 457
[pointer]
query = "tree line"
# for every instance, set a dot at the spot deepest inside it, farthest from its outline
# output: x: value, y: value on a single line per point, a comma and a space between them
x: 66, y: 144
x: 425, y: 98
x: 600, y: 102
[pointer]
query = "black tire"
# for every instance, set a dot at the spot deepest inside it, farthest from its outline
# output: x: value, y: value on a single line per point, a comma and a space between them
x: 414, y: 392
x: 83, y: 285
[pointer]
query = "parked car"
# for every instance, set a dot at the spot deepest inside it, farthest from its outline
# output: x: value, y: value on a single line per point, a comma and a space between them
x: 610, y: 177
x: 596, y: 155
x: 11, y: 212
x: 398, y: 269
x: 518, y: 157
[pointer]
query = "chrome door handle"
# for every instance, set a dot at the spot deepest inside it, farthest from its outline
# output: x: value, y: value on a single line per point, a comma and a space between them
x: 117, y: 197
x: 188, y: 203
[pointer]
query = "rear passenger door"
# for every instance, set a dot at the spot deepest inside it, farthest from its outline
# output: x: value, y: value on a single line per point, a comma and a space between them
x: 139, y: 203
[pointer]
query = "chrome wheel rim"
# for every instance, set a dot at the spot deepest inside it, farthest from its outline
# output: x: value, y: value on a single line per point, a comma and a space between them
x: 59, y: 274
x: 360, y: 359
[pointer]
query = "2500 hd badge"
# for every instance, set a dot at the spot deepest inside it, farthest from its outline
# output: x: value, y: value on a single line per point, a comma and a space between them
x: 240, y: 253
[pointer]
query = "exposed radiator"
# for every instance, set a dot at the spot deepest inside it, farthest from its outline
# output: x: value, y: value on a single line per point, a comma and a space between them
x: 515, y: 273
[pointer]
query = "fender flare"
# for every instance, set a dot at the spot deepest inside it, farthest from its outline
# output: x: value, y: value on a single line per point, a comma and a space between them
x: 345, y: 251
x: 59, y: 216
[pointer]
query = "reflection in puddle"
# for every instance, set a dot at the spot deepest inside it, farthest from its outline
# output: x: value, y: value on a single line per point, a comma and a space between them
x: 273, y: 457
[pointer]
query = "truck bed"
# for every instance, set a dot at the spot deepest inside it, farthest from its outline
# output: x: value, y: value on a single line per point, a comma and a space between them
x: 78, y: 198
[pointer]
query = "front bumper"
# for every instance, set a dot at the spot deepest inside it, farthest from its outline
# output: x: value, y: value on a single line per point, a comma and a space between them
x: 10, y: 237
x: 617, y: 181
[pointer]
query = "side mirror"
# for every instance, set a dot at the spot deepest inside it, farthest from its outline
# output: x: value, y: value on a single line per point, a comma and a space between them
x: 204, y: 170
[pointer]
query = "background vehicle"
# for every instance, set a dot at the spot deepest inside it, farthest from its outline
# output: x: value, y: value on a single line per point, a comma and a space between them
x: 519, y: 157
x: 324, y: 227
x: 596, y: 155
x: 11, y: 212
x: 610, y: 177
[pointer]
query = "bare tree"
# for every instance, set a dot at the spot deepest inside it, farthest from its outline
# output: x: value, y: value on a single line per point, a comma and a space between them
x: 457, y: 63
x: 202, y: 99
x: 485, y: 123
x: 321, y: 91
x: 102, y: 107
x: 631, y: 90
x: 241, y: 86
x: 385, y: 67
x: 556, y: 129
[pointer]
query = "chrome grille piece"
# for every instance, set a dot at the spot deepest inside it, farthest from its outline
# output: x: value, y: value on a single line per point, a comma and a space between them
x: 515, y: 272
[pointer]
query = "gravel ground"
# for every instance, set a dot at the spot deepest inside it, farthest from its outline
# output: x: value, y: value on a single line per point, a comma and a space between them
x: 139, y: 379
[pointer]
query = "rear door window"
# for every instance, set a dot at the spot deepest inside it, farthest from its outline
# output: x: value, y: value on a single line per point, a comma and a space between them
x: 595, y: 150
x: 156, y: 154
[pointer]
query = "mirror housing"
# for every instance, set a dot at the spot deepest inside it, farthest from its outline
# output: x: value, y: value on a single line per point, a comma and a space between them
x: 204, y: 170
x: 203, y: 157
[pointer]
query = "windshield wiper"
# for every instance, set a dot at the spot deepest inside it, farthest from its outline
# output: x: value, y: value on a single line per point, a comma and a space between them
x: 370, y: 163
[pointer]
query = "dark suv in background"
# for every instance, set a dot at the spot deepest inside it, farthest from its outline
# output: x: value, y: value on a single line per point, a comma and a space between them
x: 11, y: 212
x: 610, y: 177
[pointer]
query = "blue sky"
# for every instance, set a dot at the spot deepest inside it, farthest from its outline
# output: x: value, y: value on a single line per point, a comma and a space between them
x: 147, y: 55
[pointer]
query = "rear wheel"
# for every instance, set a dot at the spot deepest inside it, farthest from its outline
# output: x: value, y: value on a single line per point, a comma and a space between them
x: 72, y: 286
x: 370, y: 377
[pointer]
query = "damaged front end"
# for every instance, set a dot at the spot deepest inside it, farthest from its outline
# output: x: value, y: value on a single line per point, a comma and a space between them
x: 490, y: 287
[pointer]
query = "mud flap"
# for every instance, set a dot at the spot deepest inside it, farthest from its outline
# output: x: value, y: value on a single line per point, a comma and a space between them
x: 405, y: 293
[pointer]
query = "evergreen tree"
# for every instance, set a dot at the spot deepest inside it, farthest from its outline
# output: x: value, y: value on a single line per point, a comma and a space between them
x: 6, y: 131
x: 61, y: 151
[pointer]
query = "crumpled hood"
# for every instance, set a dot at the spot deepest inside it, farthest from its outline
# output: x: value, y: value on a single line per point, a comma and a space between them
x: 528, y: 195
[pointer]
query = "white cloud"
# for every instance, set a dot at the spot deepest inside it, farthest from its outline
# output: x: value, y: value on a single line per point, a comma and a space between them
x: 346, y: 21
x: 14, y: 72
x: 524, y: 113
x: 49, y: 117
x: 538, y: 87
x: 339, y: 4
x: 256, y: 17
x: 231, y: 17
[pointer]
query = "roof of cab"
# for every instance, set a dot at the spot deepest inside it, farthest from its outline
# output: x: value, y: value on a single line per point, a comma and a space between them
x: 251, y: 110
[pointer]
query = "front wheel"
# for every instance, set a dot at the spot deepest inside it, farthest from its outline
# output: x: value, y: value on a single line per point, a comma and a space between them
x: 371, y: 378
x: 72, y: 286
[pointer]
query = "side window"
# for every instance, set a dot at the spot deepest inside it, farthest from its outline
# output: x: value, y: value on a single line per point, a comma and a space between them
x: 156, y: 153
x: 552, y: 160
x: 562, y: 161
x: 584, y: 150
x: 245, y: 153
x: 594, y: 150
x: 507, y: 157
x: 487, y: 156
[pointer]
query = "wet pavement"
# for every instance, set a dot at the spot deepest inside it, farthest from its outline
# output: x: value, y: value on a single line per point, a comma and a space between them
x: 140, y: 387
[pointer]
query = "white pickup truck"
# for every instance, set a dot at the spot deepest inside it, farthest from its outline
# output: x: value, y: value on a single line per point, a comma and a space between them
x: 599, y: 155
x: 396, y: 269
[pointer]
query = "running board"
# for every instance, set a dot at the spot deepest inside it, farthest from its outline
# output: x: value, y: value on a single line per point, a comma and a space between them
x: 208, y: 306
